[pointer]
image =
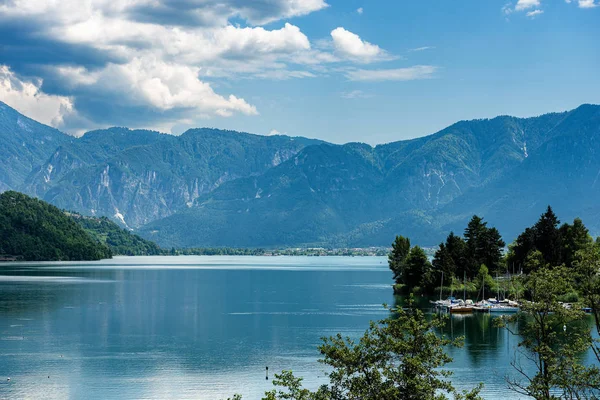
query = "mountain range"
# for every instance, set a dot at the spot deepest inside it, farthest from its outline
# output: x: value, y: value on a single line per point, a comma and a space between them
x: 210, y: 187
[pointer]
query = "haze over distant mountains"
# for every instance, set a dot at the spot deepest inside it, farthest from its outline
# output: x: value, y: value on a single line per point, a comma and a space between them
x: 210, y: 187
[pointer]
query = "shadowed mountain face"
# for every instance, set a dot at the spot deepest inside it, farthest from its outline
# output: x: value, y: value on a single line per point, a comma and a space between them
x: 219, y: 188
x: 356, y: 195
x: 135, y: 176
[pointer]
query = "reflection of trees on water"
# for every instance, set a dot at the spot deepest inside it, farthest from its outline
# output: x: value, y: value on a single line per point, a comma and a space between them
x: 481, y: 337
x: 29, y: 289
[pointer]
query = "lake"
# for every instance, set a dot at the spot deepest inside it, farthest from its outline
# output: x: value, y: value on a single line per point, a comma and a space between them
x: 201, y: 327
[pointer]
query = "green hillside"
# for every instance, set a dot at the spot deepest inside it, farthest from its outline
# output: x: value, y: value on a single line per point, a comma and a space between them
x: 120, y: 241
x: 34, y: 230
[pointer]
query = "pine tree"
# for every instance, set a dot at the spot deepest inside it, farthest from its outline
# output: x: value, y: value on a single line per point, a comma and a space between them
x: 397, y: 257
x: 547, y: 237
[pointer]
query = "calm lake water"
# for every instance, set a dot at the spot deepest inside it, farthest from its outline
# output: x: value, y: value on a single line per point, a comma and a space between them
x: 201, y: 327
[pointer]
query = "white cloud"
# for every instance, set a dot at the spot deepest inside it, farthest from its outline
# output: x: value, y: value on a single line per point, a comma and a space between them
x: 26, y: 97
x: 399, y: 74
x: 534, y: 13
x: 422, y: 48
x: 507, y: 9
x: 274, y: 132
x: 152, y: 82
x: 186, y: 12
x: 360, y: 10
x: 355, y: 94
x: 351, y: 45
x: 152, y: 63
x: 164, y: 61
x: 587, y: 4
x: 526, y: 4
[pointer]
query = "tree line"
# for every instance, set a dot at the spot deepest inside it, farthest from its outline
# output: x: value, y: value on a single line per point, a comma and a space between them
x: 472, y: 259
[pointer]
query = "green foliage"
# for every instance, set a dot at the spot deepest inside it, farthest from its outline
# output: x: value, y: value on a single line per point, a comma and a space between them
x: 293, y: 389
x: 411, y: 267
x: 553, y: 337
x: 546, y: 243
x: 574, y: 238
x: 483, y: 246
x: 548, y: 238
x: 484, y: 281
x: 397, y: 358
x: 450, y: 257
x: 33, y: 230
x: 120, y: 241
x: 463, y: 257
x: 397, y: 257
x: 587, y: 266
x: 418, y: 270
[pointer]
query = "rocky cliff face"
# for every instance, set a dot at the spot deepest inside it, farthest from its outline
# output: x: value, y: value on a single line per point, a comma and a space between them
x: 358, y: 195
x: 210, y: 187
x: 132, y: 176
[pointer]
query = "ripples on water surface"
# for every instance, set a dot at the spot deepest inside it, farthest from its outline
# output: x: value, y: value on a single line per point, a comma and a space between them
x: 200, y: 327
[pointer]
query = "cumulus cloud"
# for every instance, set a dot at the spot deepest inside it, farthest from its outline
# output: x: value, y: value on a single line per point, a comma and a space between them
x: 587, y: 4
x: 526, y: 4
x: 115, y: 61
x: 350, y: 45
x: 399, y: 74
x: 534, y: 13
x: 531, y: 8
x: 359, y: 10
x: 26, y: 97
x: 160, y: 63
x: 165, y: 12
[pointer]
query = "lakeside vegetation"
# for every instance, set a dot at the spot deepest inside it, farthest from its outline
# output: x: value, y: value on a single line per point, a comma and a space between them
x: 33, y: 230
x: 402, y: 357
x: 476, y: 263
x: 30, y: 232
x: 120, y: 241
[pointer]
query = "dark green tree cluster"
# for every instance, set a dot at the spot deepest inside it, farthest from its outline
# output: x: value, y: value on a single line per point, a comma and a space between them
x: 120, y: 241
x: 548, y: 243
x: 411, y: 267
x: 34, y: 230
x: 462, y: 257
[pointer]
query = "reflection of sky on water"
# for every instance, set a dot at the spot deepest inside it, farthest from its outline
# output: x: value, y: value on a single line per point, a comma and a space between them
x: 204, y: 330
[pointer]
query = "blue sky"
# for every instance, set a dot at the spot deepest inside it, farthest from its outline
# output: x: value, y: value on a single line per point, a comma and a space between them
x: 375, y: 71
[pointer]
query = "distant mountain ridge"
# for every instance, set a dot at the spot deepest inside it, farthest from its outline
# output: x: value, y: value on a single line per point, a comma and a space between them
x: 210, y: 187
x: 356, y: 195
x: 131, y: 176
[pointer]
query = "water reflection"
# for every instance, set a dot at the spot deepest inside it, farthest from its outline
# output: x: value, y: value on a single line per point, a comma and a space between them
x: 193, y: 331
x: 204, y: 328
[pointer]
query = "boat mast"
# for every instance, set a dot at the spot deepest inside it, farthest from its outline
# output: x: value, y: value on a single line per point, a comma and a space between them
x: 465, y: 285
x: 497, y: 287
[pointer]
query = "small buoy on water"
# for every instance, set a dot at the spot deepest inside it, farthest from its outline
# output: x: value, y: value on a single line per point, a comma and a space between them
x: 8, y: 379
